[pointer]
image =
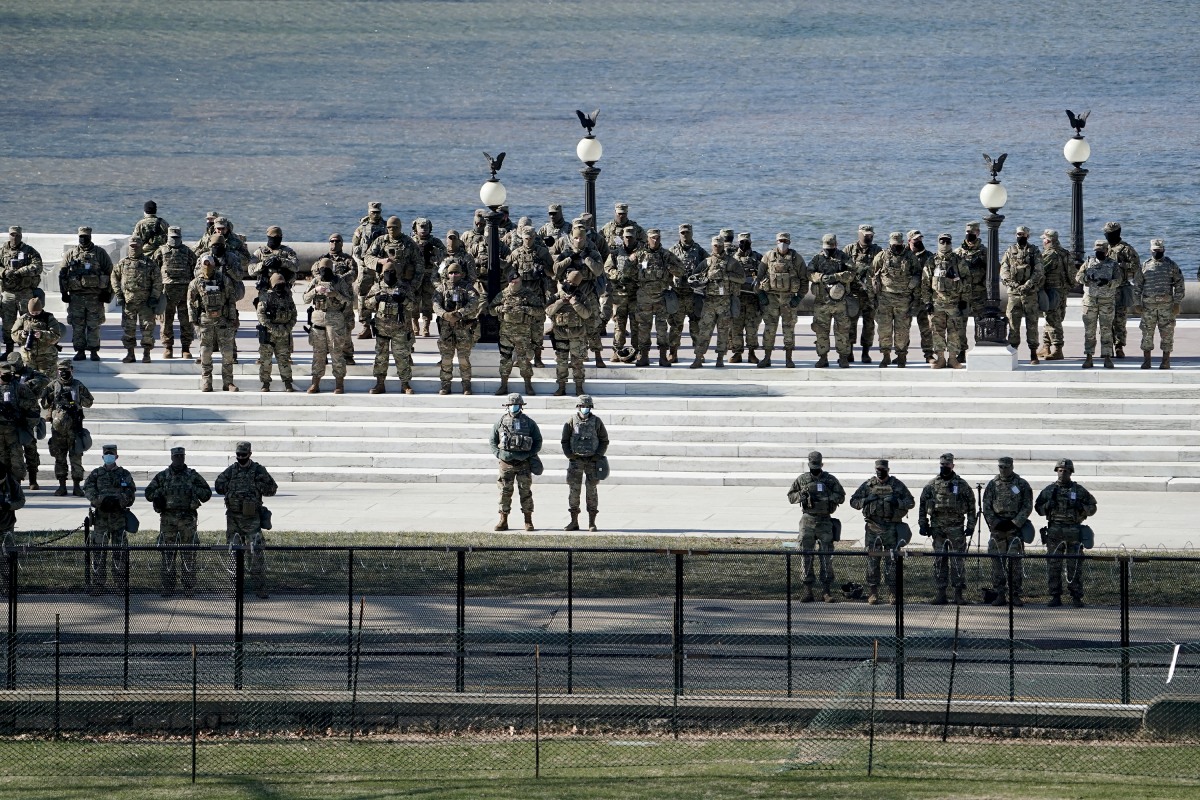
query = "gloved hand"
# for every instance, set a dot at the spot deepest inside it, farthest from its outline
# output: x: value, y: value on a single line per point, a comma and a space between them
x: 110, y: 504
x: 924, y: 528
x: 929, y: 308
x: 1175, y: 309
x: 160, y: 505
x: 66, y: 297
x: 794, y: 302
x: 1102, y: 282
x: 963, y: 305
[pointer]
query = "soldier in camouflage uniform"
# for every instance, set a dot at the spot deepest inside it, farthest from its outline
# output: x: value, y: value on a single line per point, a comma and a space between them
x: 621, y: 269
x: 331, y: 305
x: 1158, y: 297
x: 151, y: 230
x: 212, y: 305
x: 398, y: 249
x: 897, y: 281
x: 514, y: 239
x: 884, y: 501
x: 1127, y: 258
x: 783, y: 281
x: 717, y: 287
x: 36, y: 382
x: 1007, y: 503
x: 745, y: 326
x: 656, y: 266
x: 346, y: 269
x: 862, y: 255
x: 1065, y: 505
x: 178, y: 265
x: 432, y: 253
x: 531, y: 260
x: 244, y: 484
x: 1058, y: 269
x: 176, y: 493
x: 831, y: 273
x: 18, y: 415
x: 692, y: 256
x: 37, y: 332
x: 110, y: 490
x: 392, y: 305
x: 515, y: 441
x: 570, y: 314
x: 137, y: 286
x: 12, y: 498
x: 370, y: 228
x: 234, y: 243
x: 276, y: 310
x: 1021, y: 272
x: 1101, y: 277
x: 64, y: 400
x: 584, y: 443
x: 946, y: 295
x: 614, y: 229
x: 947, y: 514
x: 557, y: 228
x: 20, y: 274
x: 516, y: 307
x: 85, y: 283
x: 456, y: 253
x: 457, y: 306
x: 274, y: 257
x: 916, y: 244
x: 819, y: 494
x: 974, y: 256
x: 576, y: 251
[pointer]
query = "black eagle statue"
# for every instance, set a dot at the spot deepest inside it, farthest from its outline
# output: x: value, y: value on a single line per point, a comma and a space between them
x: 995, y: 166
x: 494, y: 163
x: 588, y: 121
x: 1078, y: 122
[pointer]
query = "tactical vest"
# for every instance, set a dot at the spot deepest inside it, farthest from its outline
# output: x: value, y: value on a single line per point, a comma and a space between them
x: 1064, y: 506
x: 1006, y: 497
x: 278, y: 310
x: 624, y: 273
x: 880, y: 506
x: 178, y: 490
x: 653, y: 266
x: 212, y: 296
x: 242, y: 493
x: 83, y: 273
x: 894, y: 274
x: 567, y: 317
x: 1020, y: 263
x: 585, y: 435
x: 951, y: 501
x: 389, y: 305
x: 177, y: 264
x: 946, y: 281
x: 816, y: 495
x: 137, y: 276
x: 17, y: 259
x: 779, y: 278
x: 515, y: 434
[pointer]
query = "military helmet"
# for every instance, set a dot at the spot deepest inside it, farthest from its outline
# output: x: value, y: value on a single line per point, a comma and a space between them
x: 837, y: 291
x: 1065, y: 463
x: 815, y: 459
x: 66, y: 364
x: 16, y: 359
x: 514, y: 399
x: 1112, y: 227
x: 626, y: 355
x: 585, y: 401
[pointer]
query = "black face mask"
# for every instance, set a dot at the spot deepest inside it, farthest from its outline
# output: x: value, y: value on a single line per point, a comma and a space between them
x: 829, y: 251
x: 85, y: 241
x: 243, y: 459
x: 64, y: 375
x: 1157, y: 254
x: 177, y: 468
x: 389, y: 277
x: 897, y: 249
x: 1022, y: 241
x: 218, y: 249
x: 327, y: 274
x: 972, y: 238
x: 1113, y: 237
x: 281, y: 290
x: 868, y: 241
x: 7, y: 377
x: 918, y: 246
x: 814, y: 471
x: 1101, y: 255
x: 744, y: 246
x: 945, y: 471
x: 273, y: 242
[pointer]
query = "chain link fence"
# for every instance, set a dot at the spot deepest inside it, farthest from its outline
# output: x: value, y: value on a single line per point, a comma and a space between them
x: 515, y: 661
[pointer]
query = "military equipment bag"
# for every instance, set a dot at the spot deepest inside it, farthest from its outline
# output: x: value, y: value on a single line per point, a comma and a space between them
x: 83, y: 442
x: 602, y: 468
x: 535, y: 465
x: 671, y: 301
x: 1044, y: 302
x: 1027, y: 532
x: 264, y: 518
x: 132, y: 523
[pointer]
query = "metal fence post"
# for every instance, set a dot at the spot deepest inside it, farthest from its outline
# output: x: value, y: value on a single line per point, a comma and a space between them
x: 57, y: 674
x: 87, y: 552
x: 1123, y: 559
x: 239, y: 611
x: 899, y: 646
x: 460, y: 645
x: 570, y: 620
x: 678, y: 631
x: 125, y: 634
x: 1012, y: 667
x: 349, y: 617
x: 788, y: 572
x: 14, y: 563
x: 195, y: 678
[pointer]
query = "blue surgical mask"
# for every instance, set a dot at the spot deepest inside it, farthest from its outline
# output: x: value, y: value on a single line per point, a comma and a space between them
x: 515, y: 409
x: 583, y: 412
x: 110, y: 459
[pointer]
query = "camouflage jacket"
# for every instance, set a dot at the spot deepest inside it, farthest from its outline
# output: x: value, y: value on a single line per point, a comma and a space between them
x: 612, y: 232
x: 750, y: 261
x: 1124, y: 254
x: 177, y: 264
x: 35, y: 381
x: 172, y: 491
x: 692, y: 256
x: 114, y: 481
x: 569, y: 312
x: 1158, y: 282
x: 1065, y: 505
x: 245, y: 485
x: 19, y: 404
x: 365, y: 234
x: 1021, y: 269
x: 462, y: 301
x: 896, y: 274
x: 818, y: 495
x: 402, y: 251
x: 343, y: 266
x: 947, y: 503
x: 516, y: 307
x: 152, y: 231
x: 137, y: 281
x: 883, y: 503
x: 331, y: 301
x: 722, y: 277
x: 460, y: 257
x: 975, y: 259
x: 863, y: 257
x: 551, y: 231
x: 65, y: 400
x: 20, y: 268
x: 783, y: 274
x: 392, y: 307
x: 1100, y: 280
x: 212, y: 303
x: 621, y: 270
x: 826, y: 271
x: 515, y: 438
x: 1010, y: 500
x: 584, y: 257
x: 432, y: 252
x: 267, y: 261
x: 656, y: 270
x: 945, y: 282
x: 276, y: 311
x: 44, y: 327
x: 85, y: 271
x: 1058, y: 268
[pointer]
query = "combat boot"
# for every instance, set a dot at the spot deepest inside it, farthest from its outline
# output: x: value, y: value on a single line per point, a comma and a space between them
x: 168, y: 352
x: 379, y: 387
x: 316, y: 386
x: 787, y: 359
x: 288, y: 387
x: 1077, y: 600
x: 537, y: 359
x: 529, y: 521
x: 501, y: 390
x: 366, y: 333
x: 1057, y: 355
x: 33, y: 484
x: 406, y: 387
x: 78, y: 490
x: 866, y: 355
x: 145, y: 354
x: 750, y: 358
x: 1055, y: 601
x: 1120, y: 351
x: 939, y: 599
x: 850, y: 357
x: 696, y: 363
x: 844, y: 361
x: 962, y: 356
x: 952, y: 361
x: 529, y: 387
x: 578, y: 387
x: 643, y: 359
x: 348, y: 358
x: 1001, y: 599
x: 573, y: 525
x: 425, y: 327
x: 266, y: 387
x: 1146, y: 359
x: 502, y: 525
x: 61, y: 491
x: 765, y: 361
x: 720, y: 360
x: 445, y: 388
x: 736, y: 358
x: 339, y: 385
x: 873, y: 597
x: 1166, y: 360
x: 1087, y: 362
x: 939, y: 362
x: 467, y: 388
x: 674, y: 355
x: 827, y: 595
x: 561, y: 390
x: 592, y: 520
x: 129, y: 356
x: 1033, y: 356
x: 822, y: 362
x: 901, y: 359
x: 958, y: 597
x: 663, y: 361
x: 95, y: 354
x: 807, y: 597
x: 600, y: 361
x: 1108, y: 363
x: 206, y: 385
x: 79, y: 356
x: 886, y: 361
x: 186, y: 354
x: 230, y: 387
x: 1044, y: 350
x: 928, y: 355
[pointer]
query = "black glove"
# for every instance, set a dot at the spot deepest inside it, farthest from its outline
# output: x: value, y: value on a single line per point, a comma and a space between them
x: 110, y: 504
x: 929, y: 308
x: 1102, y: 283
x: 924, y: 529
x: 963, y: 305
x: 1005, y: 526
x: 5, y: 506
x: 160, y: 505
x: 66, y: 297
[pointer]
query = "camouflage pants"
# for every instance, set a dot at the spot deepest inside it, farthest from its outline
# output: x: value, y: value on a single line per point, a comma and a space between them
x: 685, y: 312
x: 866, y: 312
x: 581, y: 471
x: 1006, y: 551
x: 570, y: 349
x: 61, y: 449
x: 33, y: 459
x: 779, y: 308
x: 458, y: 340
x: 246, y: 531
x: 396, y: 343
x: 329, y: 344
x: 1162, y: 317
x: 926, y: 332
x: 176, y: 528
x: 177, y: 304
x: 280, y: 349
x: 745, y: 325
x: 135, y: 318
x: 1097, y: 315
x: 216, y: 337
x: 831, y: 315
x: 947, y: 330
x: 881, y: 551
x: 1023, y: 307
x: 514, y: 348
x: 424, y: 301
x: 11, y: 450
x: 716, y: 316
x: 519, y: 474
x: 108, y: 533
x: 651, y: 316
x: 978, y: 292
x: 894, y: 318
x: 42, y: 358
x: 949, y: 569
x: 816, y: 533
x: 623, y: 311
x: 537, y: 336
x: 1052, y: 336
x: 11, y: 307
x: 85, y: 315
x: 1064, y: 542
x: 1119, y: 319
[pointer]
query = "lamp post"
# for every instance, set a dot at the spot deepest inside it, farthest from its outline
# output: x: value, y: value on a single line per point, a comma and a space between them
x: 493, y: 194
x: 992, y: 327
x: 589, y: 151
x: 1077, y: 151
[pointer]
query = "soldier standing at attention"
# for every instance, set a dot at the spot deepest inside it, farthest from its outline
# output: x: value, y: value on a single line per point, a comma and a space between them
x: 110, y: 490
x: 176, y: 493
x: 65, y: 399
x: 692, y: 256
x: 884, y: 501
x: 391, y: 303
x: 20, y: 274
x: 1126, y: 257
x: 715, y: 288
x: 1101, y: 278
x: 515, y: 441
x: 457, y: 307
x: 831, y: 272
x: 85, y: 282
x: 783, y: 280
x: 750, y: 316
x: 946, y: 294
x: 819, y: 494
x: 137, y: 286
x: 1021, y: 272
x: 1065, y: 505
x: 974, y: 256
x: 1058, y: 267
x: 516, y: 307
x: 37, y: 332
x: 897, y: 286
x: 345, y: 268
x: 570, y: 313
x: 584, y: 443
x: 178, y: 265
x: 212, y: 305
x: 862, y: 254
x: 1007, y: 504
x: 1158, y: 297
x: 621, y: 269
x: 276, y: 311
x: 244, y: 484
x: 947, y: 512
x: 657, y: 266
x: 331, y: 303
